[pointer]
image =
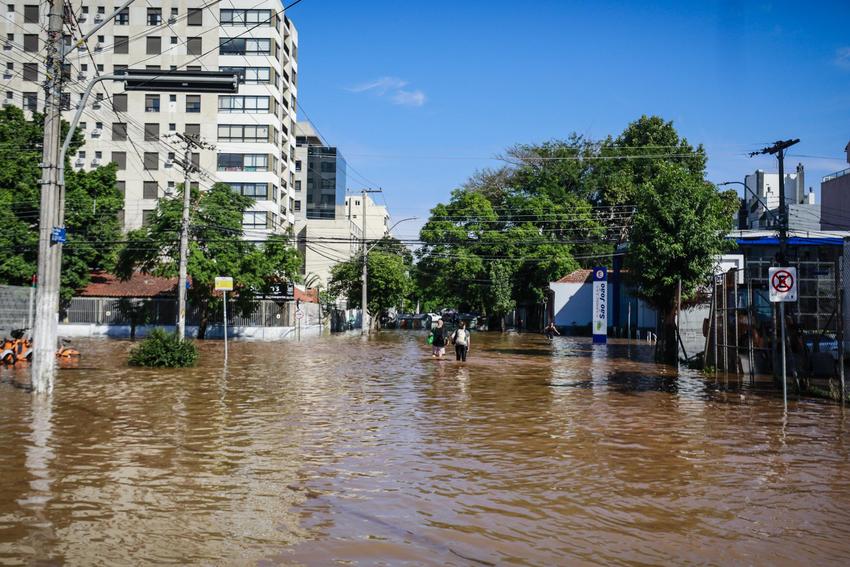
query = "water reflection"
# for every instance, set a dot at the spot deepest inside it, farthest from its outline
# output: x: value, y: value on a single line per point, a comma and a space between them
x: 367, y: 450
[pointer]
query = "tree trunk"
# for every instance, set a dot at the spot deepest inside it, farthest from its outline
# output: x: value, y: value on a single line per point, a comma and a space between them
x: 204, y: 320
x: 667, y: 347
x: 502, y: 322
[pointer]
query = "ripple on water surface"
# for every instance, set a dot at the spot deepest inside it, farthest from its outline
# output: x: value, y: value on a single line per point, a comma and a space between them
x: 369, y: 451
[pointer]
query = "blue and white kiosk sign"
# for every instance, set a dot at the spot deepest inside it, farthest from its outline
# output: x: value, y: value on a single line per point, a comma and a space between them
x: 600, y: 305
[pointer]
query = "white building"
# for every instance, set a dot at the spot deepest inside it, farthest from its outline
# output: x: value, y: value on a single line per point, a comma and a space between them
x: 803, y: 212
x: 253, y: 131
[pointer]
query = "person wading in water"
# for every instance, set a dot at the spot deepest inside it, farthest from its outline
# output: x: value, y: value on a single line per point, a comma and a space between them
x: 460, y: 338
x: 438, y: 340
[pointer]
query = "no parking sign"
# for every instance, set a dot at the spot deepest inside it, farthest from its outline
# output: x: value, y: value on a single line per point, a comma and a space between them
x: 782, y: 283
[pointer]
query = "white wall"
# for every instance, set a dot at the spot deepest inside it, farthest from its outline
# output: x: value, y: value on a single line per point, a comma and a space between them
x: 573, y: 303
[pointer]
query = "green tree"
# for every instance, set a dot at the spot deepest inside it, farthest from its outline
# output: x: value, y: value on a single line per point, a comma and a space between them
x: 501, y: 296
x: 92, y: 203
x: 389, y: 281
x: 216, y: 248
x: 678, y: 231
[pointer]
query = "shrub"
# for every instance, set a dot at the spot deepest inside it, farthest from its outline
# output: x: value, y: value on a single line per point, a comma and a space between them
x: 164, y: 350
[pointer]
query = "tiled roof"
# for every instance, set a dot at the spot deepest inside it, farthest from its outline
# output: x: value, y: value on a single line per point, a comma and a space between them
x: 140, y: 285
x: 310, y: 295
x: 579, y: 276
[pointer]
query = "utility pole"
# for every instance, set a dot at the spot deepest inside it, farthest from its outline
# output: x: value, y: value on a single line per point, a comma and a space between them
x: 51, y: 233
x: 364, y: 296
x: 190, y: 143
x: 778, y: 148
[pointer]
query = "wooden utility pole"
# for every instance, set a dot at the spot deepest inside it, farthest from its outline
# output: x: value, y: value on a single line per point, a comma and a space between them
x: 778, y: 148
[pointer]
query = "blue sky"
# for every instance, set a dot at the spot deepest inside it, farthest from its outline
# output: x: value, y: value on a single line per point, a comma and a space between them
x: 419, y: 95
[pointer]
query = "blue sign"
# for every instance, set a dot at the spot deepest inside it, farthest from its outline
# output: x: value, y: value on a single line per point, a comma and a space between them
x: 58, y: 235
x: 600, y: 305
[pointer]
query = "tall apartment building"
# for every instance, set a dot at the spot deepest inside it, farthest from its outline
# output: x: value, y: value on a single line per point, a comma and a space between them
x: 803, y: 212
x: 253, y: 131
x: 320, y: 175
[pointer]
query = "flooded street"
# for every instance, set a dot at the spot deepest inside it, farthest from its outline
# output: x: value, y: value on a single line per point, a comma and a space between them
x: 336, y: 449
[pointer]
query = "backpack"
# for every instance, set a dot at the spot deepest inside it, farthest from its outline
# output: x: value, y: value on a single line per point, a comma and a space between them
x: 456, y: 337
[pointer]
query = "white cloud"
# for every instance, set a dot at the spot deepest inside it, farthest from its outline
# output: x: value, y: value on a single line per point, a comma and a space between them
x: 842, y: 57
x: 409, y: 98
x: 392, y: 88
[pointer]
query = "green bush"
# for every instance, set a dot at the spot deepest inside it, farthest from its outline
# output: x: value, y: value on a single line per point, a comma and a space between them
x: 164, y: 350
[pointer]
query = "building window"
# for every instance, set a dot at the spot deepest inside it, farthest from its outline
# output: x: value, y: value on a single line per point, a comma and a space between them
x: 120, y: 159
x: 196, y: 159
x: 151, y: 161
x: 193, y: 130
x: 243, y: 104
x: 119, y: 131
x: 298, y: 165
x: 243, y: 162
x: 193, y: 103
x: 253, y: 190
x: 119, y: 68
x: 152, y: 132
x: 119, y: 102
x: 243, y: 133
x: 10, y: 39
x: 193, y: 46
x: 31, y: 14
x: 297, y: 207
x: 151, y: 103
x: 250, y: 75
x: 172, y: 127
x: 31, y: 102
x: 154, y: 16
x: 31, y: 42
x: 31, y: 72
x: 298, y: 185
x: 121, y: 187
x: 122, y: 44
x: 195, y: 17
x: 173, y: 40
x: 122, y: 18
x: 242, y: 46
x: 254, y: 219
x: 150, y: 190
x: 148, y: 215
x: 154, y: 45
x: 245, y: 17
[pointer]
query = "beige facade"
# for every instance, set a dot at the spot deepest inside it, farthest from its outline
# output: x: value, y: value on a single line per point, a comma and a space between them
x: 253, y: 131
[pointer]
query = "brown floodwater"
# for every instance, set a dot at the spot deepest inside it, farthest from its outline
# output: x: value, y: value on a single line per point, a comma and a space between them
x: 343, y: 450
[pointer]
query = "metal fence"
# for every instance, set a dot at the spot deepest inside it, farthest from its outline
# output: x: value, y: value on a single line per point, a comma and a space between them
x: 157, y: 311
x: 742, y: 335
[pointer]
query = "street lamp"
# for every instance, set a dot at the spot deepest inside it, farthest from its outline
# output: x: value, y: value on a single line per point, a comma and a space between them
x: 364, y: 327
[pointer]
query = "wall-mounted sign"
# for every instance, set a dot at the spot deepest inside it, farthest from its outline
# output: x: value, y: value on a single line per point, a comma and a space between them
x: 600, y: 305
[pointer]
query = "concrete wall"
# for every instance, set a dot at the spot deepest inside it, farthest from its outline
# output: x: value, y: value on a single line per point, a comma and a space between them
x: 835, y: 203
x: 88, y: 330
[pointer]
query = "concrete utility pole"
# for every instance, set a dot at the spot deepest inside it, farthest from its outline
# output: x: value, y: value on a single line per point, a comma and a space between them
x: 51, y: 233
x: 190, y: 143
x: 779, y: 148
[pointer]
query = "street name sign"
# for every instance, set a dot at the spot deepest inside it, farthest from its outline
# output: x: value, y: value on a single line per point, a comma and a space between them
x: 782, y: 284
x: 224, y: 284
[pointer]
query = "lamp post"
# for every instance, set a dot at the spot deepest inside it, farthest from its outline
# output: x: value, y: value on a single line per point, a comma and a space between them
x: 364, y: 330
x: 753, y: 193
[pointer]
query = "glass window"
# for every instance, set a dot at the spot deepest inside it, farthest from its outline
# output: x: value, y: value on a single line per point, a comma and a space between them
x: 195, y: 17
x: 243, y: 162
x: 254, y: 219
x: 297, y: 207
x: 255, y: 190
x: 243, y: 133
x: 121, y: 186
x: 119, y: 131
x: 243, y: 46
x: 193, y: 103
x: 119, y: 102
x: 298, y: 165
x: 242, y: 17
x: 193, y: 130
x: 152, y: 132
x: 154, y: 45
x: 148, y: 215
x: 151, y: 161
x: 298, y: 185
x: 31, y: 101
x: 243, y: 104
x: 154, y: 16
x: 31, y: 14
x: 193, y: 46
x: 30, y: 42
x: 151, y: 103
x: 250, y: 75
x: 122, y: 18
x: 120, y: 159
x: 122, y: 44
x: 150, y: 190
x: 31, y: 71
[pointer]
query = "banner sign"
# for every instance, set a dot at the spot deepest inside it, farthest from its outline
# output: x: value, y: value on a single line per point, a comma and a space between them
x: 224, y: 284
x: 600, y: 305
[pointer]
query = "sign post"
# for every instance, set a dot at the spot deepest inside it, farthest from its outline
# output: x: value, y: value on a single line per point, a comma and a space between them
x: 224, y: 285
x: 600, y: 305
x: 783, y: 288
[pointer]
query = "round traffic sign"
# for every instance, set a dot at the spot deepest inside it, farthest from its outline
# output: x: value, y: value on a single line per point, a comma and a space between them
x: 782, y: 281
x: 299, y: 314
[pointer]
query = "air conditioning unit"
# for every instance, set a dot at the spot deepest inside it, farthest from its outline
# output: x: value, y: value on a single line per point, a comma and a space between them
x: 169, y: 163
x: 95, y: 162
x: 81, y: 76
x: 172, y: 20
x: 81, y: 48
x: 8, y: 102
x: 96, y: 104
x: 80, y: 162
x: 98, y: 18
x: 96, y: 133
x: 82, y: 18
x: 98, y: 46
x: 7, y: 74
